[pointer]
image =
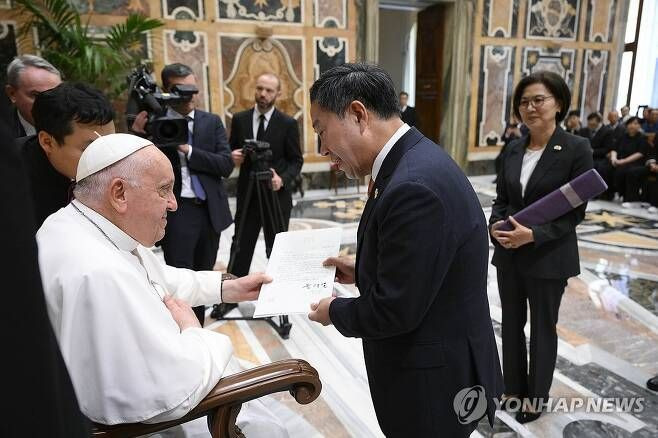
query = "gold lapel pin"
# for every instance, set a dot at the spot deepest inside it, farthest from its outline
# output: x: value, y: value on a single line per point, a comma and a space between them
x: 557, y: 147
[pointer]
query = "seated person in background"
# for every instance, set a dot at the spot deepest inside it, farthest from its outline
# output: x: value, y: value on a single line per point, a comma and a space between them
x: 645, y: 179
x: 67, y: 118
x: 616, y: 124
x: 133, y: 346
x: 572, y: 122
x: 625, y: 113
x: 627, y: 154
x: 602, y: 140
x: 594, y: 123
x: 650, y: 125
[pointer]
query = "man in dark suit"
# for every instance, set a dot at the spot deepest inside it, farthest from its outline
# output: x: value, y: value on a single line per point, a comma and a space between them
x: 407, y: 113
x: 266, y: 123
x: 192, y: 234
x: 421, y: 264
x: 27, y: 76
x: 32, y: 360
x: 67, y: 119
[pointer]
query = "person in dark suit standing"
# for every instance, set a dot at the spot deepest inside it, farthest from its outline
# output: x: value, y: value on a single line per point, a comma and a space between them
x: 266, y: 123
x: 535, y: 262
x: 421, y: 263
x: 32, y: 360
x: 407, y: 113
x: 67, y: 119
x: 193, y: 231
x: 27, y: 76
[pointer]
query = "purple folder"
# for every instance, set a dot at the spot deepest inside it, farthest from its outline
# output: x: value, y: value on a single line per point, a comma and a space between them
x: 571, y: 195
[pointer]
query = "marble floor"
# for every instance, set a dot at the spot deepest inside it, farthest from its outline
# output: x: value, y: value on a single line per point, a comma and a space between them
x: 608, y: 329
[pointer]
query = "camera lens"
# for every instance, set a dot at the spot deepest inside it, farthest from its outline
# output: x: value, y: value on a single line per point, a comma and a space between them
x: 168, y: 129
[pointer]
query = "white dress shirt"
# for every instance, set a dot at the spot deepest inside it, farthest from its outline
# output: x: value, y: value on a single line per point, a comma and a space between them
x: 128, y: 360
x: 530, y: 160
x: 379, y: 160
x: 256, y: 119
x: 186, y: 190
x: 27, y: 126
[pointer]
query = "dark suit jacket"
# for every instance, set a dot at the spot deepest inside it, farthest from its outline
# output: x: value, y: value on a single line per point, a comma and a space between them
x: 32, y: 358
x: 423, y: 313
x: 15, y: 124
x: 554, y: 253
x: 49, y: 189
x: 602, y: 142
x: 211, y: 161
x: 408, y: 116
x: 282, y: 134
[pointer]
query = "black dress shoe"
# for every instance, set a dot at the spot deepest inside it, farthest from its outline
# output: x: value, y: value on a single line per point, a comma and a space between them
x: 526, y: 417
x: 652, y: 383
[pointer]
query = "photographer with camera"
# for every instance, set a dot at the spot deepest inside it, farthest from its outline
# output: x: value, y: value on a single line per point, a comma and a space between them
x: 267, y: 124
x: 200, y: 162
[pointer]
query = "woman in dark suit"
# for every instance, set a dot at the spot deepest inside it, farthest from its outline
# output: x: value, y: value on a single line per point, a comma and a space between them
x: 534, y: 263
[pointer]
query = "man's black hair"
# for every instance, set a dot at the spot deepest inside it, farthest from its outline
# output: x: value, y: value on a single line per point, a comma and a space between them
x: 369, y: 84
x: 55, y: 110
x: 176, y: 70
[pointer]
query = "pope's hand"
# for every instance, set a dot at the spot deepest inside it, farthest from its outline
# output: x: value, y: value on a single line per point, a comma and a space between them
x: 181, y: 312
x: 320, y: 311
x: 245, y: 288
x: 344, y: 268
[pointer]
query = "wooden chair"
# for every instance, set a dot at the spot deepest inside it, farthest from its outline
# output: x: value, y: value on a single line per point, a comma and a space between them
x: 225, y: 400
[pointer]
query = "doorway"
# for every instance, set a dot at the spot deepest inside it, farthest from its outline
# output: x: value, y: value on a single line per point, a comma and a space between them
x: 411, y: 50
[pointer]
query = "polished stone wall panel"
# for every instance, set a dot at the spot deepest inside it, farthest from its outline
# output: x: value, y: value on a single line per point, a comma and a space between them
x: 593, y: 81
x: 553, y: 19
x: 600, y: 20
x: 494, y: 101
x: 183, y: 9
x: 330, y: 13
x: 500, y: 18
x: 278, y: 11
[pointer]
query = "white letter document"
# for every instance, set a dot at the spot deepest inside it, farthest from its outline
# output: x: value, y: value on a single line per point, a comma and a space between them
x: 295, y: 266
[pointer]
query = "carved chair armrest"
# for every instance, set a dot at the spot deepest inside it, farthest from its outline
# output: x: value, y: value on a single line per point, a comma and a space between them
x: 226, y: 398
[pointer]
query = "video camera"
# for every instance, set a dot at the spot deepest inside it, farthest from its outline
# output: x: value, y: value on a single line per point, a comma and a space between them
x: 145, y: 95
x: 259, y: 153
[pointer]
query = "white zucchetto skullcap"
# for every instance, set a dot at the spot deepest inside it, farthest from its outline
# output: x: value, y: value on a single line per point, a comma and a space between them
x: 107, y: 150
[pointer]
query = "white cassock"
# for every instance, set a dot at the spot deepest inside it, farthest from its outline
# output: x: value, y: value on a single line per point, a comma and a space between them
x: 128, y: 360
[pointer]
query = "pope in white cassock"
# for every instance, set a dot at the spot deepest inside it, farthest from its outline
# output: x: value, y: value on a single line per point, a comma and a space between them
x: 132, y: 344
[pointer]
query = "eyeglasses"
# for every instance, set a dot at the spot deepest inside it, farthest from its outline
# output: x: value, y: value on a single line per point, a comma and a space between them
x: 536, y: 101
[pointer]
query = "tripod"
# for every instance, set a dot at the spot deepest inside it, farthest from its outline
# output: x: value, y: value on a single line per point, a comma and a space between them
x: 272, y: 217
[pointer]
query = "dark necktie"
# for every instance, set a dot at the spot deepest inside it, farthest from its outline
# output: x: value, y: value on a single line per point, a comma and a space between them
x: 261, y: 127
x: 197, y: 188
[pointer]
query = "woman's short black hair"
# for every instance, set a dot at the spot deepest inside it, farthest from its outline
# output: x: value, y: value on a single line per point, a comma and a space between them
x: 553, y: 82
x: 631, y: 120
